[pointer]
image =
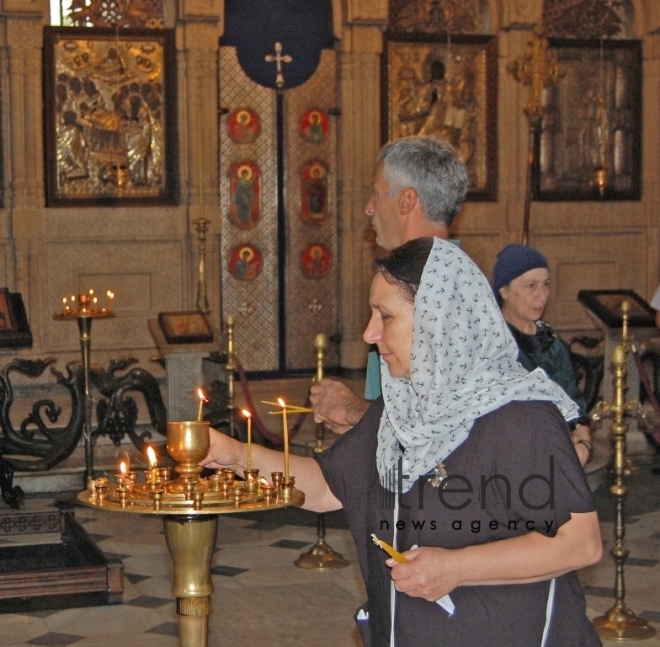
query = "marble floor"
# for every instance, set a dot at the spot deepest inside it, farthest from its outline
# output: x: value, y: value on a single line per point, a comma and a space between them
x: 262, y: 598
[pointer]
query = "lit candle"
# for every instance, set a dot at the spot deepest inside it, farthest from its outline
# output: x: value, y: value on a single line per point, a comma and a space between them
x: 202, y: 400
x: 285, y: 435
x: 248, y: 415
x: 121, y: 477
x: 111, y: 296
x: 65, y: 303
x: 94, y: 302
x: 153, y: 462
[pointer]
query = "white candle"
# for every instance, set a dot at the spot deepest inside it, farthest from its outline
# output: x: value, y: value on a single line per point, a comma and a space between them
x: 153, y: 462
x: 248, y: 415
x: 202, y: 400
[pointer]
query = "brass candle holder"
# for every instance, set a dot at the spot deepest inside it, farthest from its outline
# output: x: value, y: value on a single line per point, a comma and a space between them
x: 84, y: 310
x: 231, y: 367
x: 619, y: 622
x: 321, y: 555
x: 190, y: 506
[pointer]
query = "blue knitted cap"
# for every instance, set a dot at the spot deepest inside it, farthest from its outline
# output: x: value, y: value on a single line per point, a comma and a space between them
x: 513, y: 261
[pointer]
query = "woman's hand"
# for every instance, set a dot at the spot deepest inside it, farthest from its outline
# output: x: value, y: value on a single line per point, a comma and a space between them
x: 581, y: 438
x: 428, y: 574
x: 224, y: 452
x: 434, y: 572
x: 230, y: 453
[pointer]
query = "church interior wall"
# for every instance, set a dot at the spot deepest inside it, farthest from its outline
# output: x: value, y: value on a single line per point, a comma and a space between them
x: 148, y: 255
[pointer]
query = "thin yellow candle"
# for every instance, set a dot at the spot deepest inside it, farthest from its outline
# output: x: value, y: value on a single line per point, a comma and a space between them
x: 285, y: 435
x: 293, y: 408
x: 153, y: 462
x: 202, y: 400
x: 392, y: 552
x: 248, y: 415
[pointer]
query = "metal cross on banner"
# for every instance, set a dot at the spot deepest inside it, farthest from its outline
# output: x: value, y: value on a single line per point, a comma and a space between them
x: 278, y: 58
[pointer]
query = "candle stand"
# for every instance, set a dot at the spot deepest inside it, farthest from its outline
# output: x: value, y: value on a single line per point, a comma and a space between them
x: 190, y: 506
x: 84, y: 314
x: 619, y: 622
x: 321, y: 555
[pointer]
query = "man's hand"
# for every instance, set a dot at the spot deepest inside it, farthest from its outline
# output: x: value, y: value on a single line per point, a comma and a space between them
x: 336, y: 405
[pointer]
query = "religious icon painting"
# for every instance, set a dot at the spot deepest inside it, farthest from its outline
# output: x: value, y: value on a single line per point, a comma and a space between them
x: 314, y: 192
x: 245, y: 262
x: 243, y: 126
x: 244, y: 194
x: 110, y: 116
x: 314, y: 126
x: 315, y: 261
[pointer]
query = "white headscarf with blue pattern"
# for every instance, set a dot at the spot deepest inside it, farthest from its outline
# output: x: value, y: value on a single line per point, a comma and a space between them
x: 463, y: 365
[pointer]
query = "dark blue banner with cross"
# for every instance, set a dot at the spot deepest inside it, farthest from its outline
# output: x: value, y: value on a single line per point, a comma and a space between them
x: 278, y: 42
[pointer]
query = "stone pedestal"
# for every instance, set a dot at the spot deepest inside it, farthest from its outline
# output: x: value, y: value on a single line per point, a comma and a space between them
x: 187, y: 370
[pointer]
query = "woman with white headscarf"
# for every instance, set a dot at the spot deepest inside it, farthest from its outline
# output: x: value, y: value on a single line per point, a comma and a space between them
x: 465, y: 465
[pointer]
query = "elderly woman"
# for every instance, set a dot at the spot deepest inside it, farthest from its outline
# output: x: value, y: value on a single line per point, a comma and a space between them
x: 464, y: 464
x: 521, y: 283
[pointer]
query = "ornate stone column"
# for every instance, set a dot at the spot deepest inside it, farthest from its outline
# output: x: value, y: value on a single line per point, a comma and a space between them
x: 23, y: 159
x: 199, y: 27
x: 361, y: 47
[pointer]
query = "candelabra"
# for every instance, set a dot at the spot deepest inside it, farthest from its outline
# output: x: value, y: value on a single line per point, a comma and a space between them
x: 320, y: 555
x: 84, y: 313
x: 201, y: 227
x: 619, y: 622
x: 231, y: 368
x: 190, y: 506
x: 537, y: 69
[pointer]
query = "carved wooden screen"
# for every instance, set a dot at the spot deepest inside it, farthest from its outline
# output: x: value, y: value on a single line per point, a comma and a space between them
x: 278, y: 313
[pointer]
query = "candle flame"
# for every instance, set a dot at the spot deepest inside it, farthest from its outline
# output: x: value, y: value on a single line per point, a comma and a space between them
x: 122, y: 466
x: 91, y: 291
x: 246, y: 413
x: 95, y: 300
x: 152, y: 457
x: 201, y: 396
x: 111, y: 294
x: 64, y: 300
x: 281, y: 402
x: 73, y: 298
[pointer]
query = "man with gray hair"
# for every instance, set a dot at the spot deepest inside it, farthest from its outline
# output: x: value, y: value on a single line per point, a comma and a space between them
x: 418, y: 189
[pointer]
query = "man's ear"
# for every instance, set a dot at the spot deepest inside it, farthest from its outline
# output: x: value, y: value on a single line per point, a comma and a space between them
x: 408, y: 199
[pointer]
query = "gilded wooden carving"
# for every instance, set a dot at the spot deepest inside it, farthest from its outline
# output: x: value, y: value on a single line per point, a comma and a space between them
x: 447, y: 90
x: 135, y: 14
x: 110, y: 116
x: 582, y: 18
x: 434, y: 16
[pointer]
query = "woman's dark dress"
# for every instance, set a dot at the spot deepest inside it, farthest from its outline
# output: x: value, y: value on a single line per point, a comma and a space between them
x: 547, y: 350
x: 525, y: 442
